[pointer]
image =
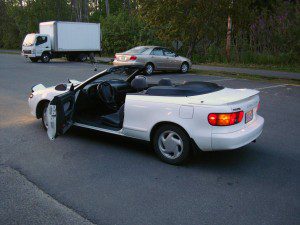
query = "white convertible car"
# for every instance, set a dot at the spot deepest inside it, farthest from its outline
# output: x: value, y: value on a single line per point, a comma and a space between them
x: 175, y: 119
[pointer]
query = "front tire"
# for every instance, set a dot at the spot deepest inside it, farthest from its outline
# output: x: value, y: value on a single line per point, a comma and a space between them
x: 184, y: 67
x: 45, y: 57
x: 149, y: 68
x: 44, y: 116
x: 172, y: 144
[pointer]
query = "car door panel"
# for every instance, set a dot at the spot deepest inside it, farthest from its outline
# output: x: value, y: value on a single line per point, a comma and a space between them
x: 59, y: 114
x: 171, y: 62
x: 158, y: 58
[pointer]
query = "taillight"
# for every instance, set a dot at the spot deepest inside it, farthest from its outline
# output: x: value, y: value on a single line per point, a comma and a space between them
x: 258, y: 106
x: 133, y: 57
x: 115, y: 56
x: 225, y: 119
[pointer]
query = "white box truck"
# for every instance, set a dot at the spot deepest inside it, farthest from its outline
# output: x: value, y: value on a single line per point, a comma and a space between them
x: 74, y: 40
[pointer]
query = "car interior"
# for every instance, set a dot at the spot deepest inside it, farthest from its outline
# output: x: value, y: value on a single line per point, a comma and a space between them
x: 101, y: 103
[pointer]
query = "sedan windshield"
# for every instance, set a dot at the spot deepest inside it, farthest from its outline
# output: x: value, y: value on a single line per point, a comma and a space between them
x: 29, y: 40
x: 137, y: 50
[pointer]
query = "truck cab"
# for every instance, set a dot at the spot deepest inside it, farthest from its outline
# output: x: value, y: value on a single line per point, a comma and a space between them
x: 37, y: 46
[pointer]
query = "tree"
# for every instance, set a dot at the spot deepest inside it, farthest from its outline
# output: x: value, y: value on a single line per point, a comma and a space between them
x: 185, y: 20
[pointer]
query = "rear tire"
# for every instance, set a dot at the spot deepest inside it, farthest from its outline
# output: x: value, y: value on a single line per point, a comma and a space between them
x: 149, y: 68
x: 70, y: 57
x: 172, y: 144
x: 82, y: 57
x: 45, y: 57
x: 34, y: 59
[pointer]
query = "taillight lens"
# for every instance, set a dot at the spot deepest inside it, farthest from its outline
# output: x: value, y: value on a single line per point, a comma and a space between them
x: 225, y: 119
x: 258, y: 106
x: 133, y: 57
x: 115, y: 56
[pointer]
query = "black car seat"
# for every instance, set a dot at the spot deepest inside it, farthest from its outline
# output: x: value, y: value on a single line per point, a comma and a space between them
x: 116, y: 119
x: 165, y: 82
x: 139, y: 83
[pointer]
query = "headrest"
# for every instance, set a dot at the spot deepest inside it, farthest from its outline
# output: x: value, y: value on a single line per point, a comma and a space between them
x: 139, y: 83
x: 165, y: 82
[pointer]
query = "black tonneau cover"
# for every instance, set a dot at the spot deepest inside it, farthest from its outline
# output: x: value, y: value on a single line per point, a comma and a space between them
x: 186, y: 89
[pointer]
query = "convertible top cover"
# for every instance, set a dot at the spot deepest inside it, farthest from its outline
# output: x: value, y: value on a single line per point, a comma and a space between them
x: 186, y: 89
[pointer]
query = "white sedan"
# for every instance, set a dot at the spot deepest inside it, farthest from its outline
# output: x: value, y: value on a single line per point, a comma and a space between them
x: 175, y: 119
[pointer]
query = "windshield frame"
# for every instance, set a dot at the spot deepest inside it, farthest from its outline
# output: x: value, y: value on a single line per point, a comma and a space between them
x: 136, y: 70
x: 143, y: 49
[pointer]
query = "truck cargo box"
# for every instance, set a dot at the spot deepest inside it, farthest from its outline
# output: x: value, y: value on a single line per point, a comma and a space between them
x: 72, y: 36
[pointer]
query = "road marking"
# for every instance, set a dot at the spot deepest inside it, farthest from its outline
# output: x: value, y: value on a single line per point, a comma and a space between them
x: 274, y: 86
x: 220, y: 80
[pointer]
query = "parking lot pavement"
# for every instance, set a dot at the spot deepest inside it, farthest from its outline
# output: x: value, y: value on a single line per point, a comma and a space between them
x: 24, y: 203
x: 104, y: 179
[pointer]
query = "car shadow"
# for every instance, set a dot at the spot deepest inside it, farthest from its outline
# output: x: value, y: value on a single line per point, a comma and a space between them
x: 115, y: 141
x: 200, y: 159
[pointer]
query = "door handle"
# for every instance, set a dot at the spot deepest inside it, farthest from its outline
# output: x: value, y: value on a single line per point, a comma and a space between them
x: 47, y: 46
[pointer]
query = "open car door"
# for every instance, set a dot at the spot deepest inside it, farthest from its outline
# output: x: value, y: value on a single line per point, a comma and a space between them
x: 59, y: 114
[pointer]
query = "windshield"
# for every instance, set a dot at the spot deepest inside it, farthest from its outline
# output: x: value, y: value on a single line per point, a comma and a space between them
x: 29, y: 40
x: 137, y: 50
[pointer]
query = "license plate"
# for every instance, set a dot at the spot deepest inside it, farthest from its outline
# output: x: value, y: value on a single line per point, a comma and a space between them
x: 122, y: 58
x: 249, y: 116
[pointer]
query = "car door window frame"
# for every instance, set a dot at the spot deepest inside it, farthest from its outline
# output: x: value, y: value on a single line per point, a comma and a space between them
x: 157, y: 49
x: 173, y: 53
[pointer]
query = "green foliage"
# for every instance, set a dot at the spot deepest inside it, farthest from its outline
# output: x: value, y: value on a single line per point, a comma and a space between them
x: 263, y: 32
x: 121, y: 32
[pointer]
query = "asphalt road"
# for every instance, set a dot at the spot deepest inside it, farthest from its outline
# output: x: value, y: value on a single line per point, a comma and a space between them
x: 85, y: 177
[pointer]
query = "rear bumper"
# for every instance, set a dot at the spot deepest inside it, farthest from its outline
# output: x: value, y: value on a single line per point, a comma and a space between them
x: 234, y: 140
x: 127, y: 63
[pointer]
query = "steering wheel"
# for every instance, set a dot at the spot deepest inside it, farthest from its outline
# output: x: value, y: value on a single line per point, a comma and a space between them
x: 106, y: 93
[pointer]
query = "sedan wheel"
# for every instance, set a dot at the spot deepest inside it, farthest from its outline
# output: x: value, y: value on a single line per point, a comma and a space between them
x: 184, y: 68
x: 149, y: 69
x: 171, y: 144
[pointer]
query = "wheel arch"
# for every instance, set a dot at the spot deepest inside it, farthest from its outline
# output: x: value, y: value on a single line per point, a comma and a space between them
x: 186, y: 63
x: 150, y: 63
x: 194, y: 148
x: 159, y: 124
x: 39, y: 108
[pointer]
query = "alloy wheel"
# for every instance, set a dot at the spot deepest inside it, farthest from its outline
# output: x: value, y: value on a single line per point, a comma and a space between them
x: 170, y: 144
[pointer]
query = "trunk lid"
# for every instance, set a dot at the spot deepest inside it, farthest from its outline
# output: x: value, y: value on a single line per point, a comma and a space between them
x: 122, y: 57
x: 237, y: 100
x: 224, y: 97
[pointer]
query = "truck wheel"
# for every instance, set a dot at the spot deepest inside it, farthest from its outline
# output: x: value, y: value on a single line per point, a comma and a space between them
x: 92, y: 57
x: 45, y: 57
x: 70, y: 58
x: 171, y: 144
x: 82, y: 57
x: 34, y: 59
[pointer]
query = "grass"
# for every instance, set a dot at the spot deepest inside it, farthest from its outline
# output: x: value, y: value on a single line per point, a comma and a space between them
x: 3, y: 51
x: 246, y: 76
x: 285, y: 68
